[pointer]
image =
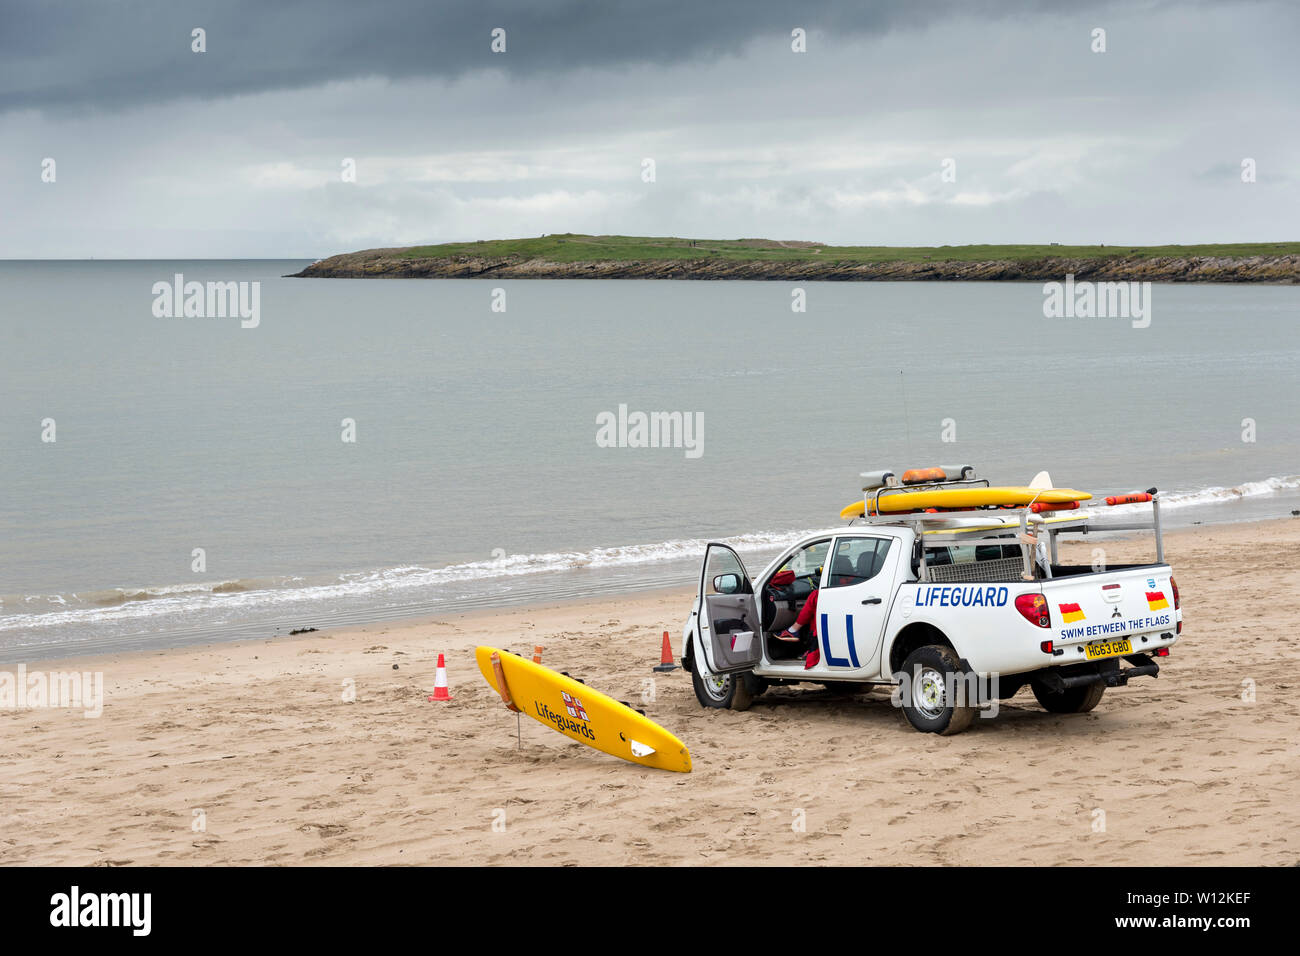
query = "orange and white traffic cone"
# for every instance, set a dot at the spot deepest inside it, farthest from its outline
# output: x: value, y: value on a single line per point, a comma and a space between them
x: 440, y: 681
x: 537, y: 653
x: 666, y: 656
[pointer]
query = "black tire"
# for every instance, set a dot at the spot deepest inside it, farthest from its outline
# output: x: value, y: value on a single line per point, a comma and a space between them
x: 1073, y: 700
x: 728, y: 691
x: 933, y: 672
x: 714, y: 692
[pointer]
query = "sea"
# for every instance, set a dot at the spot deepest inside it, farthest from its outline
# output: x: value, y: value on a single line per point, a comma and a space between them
x: 354, y: 451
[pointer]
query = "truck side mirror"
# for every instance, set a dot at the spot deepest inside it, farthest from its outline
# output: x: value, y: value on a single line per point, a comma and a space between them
x: 726, y: 583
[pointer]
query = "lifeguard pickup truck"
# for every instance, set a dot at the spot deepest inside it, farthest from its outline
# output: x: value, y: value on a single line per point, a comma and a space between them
x: 952, y: 608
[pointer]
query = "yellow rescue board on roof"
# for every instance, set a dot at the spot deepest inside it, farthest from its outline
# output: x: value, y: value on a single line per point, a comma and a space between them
x: 584, y: 714
x: 900, y: 501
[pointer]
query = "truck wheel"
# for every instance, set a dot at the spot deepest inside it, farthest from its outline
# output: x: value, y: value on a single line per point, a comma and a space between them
x: 713, y: 691
x: 735, y: 691
x: 1073, y: 700
x: 933, y: 674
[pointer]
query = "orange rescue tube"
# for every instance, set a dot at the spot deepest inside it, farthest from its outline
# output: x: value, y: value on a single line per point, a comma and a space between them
x: 1136, y: 497
x: 1038, y: 507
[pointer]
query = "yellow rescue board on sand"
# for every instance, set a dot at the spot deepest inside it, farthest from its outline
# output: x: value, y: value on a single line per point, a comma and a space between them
x: 896, y: 502
x: 584, y: 714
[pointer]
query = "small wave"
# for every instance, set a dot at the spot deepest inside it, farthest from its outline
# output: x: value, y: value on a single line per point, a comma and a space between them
x: 121, y: 604
x: 116, y: 597
x: 121, y: 597
x: 1219, y: 495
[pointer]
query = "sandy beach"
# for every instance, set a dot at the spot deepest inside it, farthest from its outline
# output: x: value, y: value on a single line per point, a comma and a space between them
x: 323, y: 748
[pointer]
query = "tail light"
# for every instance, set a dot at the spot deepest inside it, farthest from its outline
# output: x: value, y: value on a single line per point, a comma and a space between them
x: 1047, y: 647
x: 1033, y: 608
x: 1162, y: 652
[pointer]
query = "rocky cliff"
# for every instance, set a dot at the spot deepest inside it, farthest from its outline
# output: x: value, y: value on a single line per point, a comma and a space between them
x: 392, y: 264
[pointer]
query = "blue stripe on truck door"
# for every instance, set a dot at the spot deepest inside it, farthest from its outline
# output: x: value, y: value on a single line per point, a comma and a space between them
x: 831, y: 659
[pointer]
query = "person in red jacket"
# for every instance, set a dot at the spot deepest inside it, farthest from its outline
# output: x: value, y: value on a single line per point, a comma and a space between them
x: 804, y: 629
x: 807, y: 619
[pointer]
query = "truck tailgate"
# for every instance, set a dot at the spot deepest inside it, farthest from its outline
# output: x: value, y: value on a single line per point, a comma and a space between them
x: 1111, y: 604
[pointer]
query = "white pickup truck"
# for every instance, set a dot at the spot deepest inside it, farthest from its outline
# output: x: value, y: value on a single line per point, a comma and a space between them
x: 952, y: 609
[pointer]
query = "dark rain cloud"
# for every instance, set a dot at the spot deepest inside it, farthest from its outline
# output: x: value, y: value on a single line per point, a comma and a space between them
x: 59, y: 54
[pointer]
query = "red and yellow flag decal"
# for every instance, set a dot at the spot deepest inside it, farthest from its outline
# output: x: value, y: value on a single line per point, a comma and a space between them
x: 1071, y: 613
x: 1156, y: 600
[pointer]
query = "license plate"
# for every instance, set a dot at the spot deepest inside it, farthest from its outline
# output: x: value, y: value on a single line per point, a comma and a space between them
x: 1099, y: 649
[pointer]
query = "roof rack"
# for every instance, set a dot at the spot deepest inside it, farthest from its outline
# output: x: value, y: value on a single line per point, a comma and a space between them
x: 1024, y: 518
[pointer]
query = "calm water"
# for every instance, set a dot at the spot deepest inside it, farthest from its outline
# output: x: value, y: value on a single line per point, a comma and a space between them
x: 476, y: 479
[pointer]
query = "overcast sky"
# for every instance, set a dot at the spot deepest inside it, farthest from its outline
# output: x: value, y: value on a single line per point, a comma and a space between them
x: 238, y: 151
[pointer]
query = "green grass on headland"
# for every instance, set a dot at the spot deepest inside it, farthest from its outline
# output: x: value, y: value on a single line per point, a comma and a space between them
x: 571, y: 247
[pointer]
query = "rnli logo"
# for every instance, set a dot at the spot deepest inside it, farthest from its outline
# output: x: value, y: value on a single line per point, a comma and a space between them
x: 573, y: 706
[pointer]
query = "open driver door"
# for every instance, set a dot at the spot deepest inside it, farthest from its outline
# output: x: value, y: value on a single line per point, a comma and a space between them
x: 731, y: 637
